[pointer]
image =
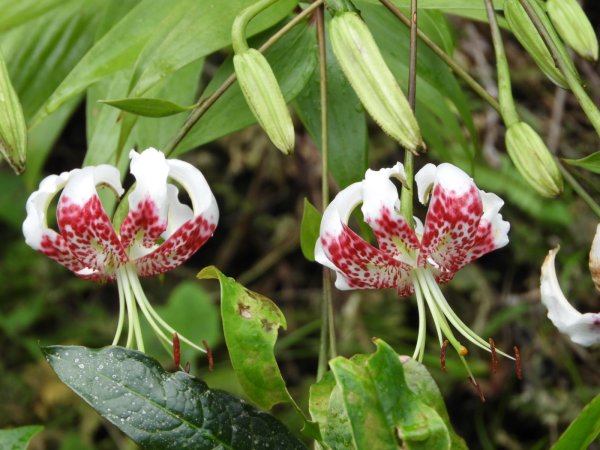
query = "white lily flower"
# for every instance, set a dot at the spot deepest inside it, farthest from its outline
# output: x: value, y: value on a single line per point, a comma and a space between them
x: 583, y: 329
x: 158, y: 234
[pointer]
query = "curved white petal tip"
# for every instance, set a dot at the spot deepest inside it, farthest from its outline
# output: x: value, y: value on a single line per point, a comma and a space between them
x: 583, y: 329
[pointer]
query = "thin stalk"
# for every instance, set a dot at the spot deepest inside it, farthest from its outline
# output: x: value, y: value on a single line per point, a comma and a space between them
x: 238, y: 30
x: 406, y: 195
x: 586, y: 103
x: 457, y: 69
x: 507, y: 104
x: 121, y: 315
x: 204, y: 104
x: 579, y: 190
x: 327, y: 349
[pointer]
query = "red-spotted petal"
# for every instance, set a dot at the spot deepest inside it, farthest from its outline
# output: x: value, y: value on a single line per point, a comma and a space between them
x: 148, y: 202
x: 453, y: 216
x: 35, y: 228
x: 182, y: 242
x: 83, y: 223
x: 356, y: 263
x: 380, y: 211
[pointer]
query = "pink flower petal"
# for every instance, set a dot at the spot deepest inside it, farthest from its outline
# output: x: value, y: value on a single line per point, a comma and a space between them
x: 182, y: 242
x: 452, y: 219
x: 148, y: 201
x: 83, y: 223
x: 359, y: 265
x: 380, y: 211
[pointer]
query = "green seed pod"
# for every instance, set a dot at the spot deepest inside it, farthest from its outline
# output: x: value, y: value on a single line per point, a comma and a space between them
x: 262, y: 92
x: 13, y: 131
x: 533, y: 160
x: 574, y: 27
x: 372, y: 80
x: 526, y: 33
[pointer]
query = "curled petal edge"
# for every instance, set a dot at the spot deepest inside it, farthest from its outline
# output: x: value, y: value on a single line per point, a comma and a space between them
x: 582, y: 329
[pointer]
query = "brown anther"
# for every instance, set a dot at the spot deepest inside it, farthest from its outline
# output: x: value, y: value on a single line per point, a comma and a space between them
x: 209, y: 355
x: 443, y: 355
x: 176, y: 350
x: 477, y: 388
x: 518, y: 362
x: 463, y: 351
x: 186, y: 369
x: 494, y: 355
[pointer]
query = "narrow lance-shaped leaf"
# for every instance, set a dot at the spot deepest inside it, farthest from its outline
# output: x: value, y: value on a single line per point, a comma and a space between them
x: 161, y: 410
x: 583, y: 430
x: 13, y: 131
x: 309, y: 230
x: 590, y: 162
x: 147, y: 107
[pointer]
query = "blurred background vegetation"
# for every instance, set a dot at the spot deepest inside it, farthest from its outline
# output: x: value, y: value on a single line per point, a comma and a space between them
x: 261, y: 194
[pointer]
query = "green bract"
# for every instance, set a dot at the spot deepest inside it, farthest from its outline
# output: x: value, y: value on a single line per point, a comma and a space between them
x: 525, y: 31
x: 574, y: 27
x: 264, y: 97
x: 533, y: 159
x: 372, y: 80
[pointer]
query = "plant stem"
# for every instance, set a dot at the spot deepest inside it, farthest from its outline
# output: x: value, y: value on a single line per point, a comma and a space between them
x: 238, y: 30
x: 459, y: 71
x: 586, y: 103
x: 406, y: 196
x: 507, y: 104
x: 327, y: 348
x: 579, y: 190
x: 204, y: 104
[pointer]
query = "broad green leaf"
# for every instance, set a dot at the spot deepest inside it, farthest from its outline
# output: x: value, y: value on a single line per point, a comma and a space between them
x: 590, y: 162
x: 446, y: 5
x: 204, y: 26
x: 583, y: 430
x: 250, y: 324
x: 382, y: 409
x: 162, y: 410
x: 347, y: 126
x: 230, y: 112
x: 15, y: 13
x: 13, y: 131
x: 309, y: 230
x: 18, y: 438
x: 147, y: 107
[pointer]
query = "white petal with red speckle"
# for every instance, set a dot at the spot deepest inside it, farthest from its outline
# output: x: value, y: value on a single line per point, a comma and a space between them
x: 380, y: 210
x: 148, y: 201
x: 583, y: 329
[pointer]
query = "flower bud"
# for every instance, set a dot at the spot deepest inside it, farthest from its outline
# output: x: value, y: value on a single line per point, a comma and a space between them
x: 533, y: 159
x: 262, y: 92
x: 13, y: 131
x: 574, y: 27
x: 372, y: 80
x: 526, y: 33
x: 594, y: 259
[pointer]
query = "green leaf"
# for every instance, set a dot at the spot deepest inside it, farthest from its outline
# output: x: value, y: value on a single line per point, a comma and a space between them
x: 309, y: 230
x: 250, y: 324
x: 382, y: 409
x: 347, y: 125
x: 583, y: 430
x: 590, y: 162
x: 13, y: 131
x: 446, y: 5
x: 23, y: 11
x: 147, y: 107
x: 162, y: 410
x: 202, y: 29
x: 18, y: 438
x: 231, y: 112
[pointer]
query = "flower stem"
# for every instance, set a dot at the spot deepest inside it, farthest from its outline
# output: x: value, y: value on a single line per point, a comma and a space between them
x: 579, y: 189
x: 507, y: 104
x: 588, y: 106
x: 406, y: 195
x: 327, y: 349
x: 458, y: 70
x: 203, y: 105
x: 238, y: 30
